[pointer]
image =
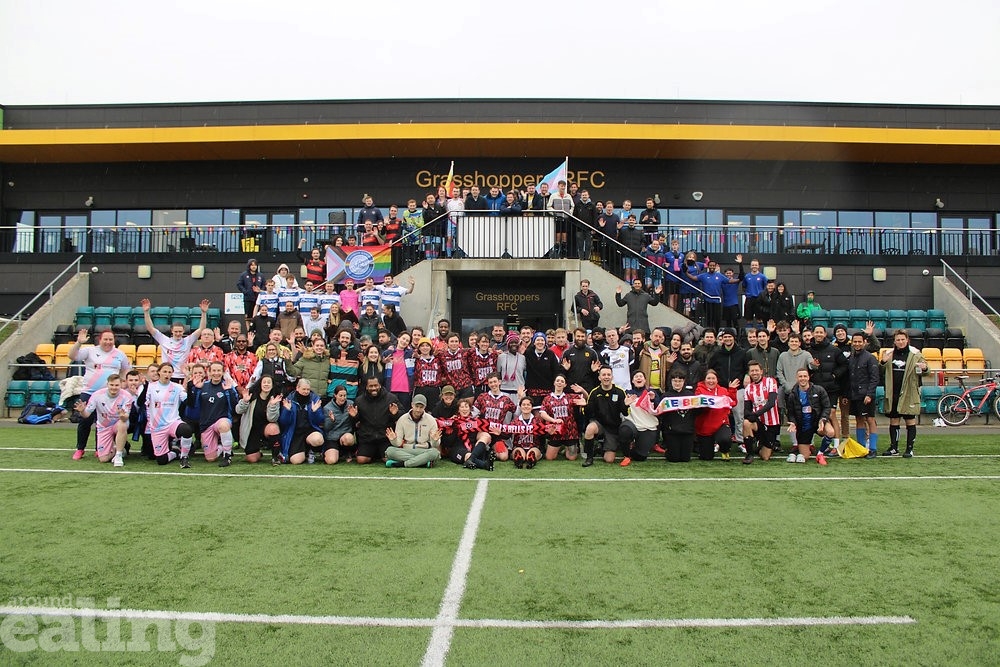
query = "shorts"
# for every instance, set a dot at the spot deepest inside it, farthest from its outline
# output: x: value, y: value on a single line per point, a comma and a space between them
x: 106, y: 440
x: 672, y: 285
x: 298, y: 445
x: 804, y: 436
x: 210, y: 437
x: 610, y: 438
x: 767, y: 436
x: 161, y: 438
x: 373, y: 449
x: 899, y: 415
x: 630, y: 263
x: 498, y: 443
x: 859, y: 409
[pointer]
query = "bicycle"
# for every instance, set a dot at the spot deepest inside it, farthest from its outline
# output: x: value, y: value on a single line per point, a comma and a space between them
x: 955, y: 409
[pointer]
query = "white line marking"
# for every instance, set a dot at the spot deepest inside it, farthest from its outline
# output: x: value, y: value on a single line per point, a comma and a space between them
x: 451, y: 601
x: 436, y: 623
x: 515, y: 480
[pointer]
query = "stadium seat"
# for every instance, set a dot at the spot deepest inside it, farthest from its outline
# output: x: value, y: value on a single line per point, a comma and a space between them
x: 953, y: 361
x: 138, y: 319
x: 38, y: 391
x: 933, y: 337
x: 954, y: 338
x: 62, y: 361
x: 821, y: 317
x: 140, y: 336
x: 103, y: 316
x: 975, y: 362
x: 46, y: 351
x: 17, y: 395
x: 916, y: 338
x: 858, y: 318
x: 880, y: 399
x: 194, y: 317
x: 936, y: 319
x: 121, y: 316
x: 84, y: 317
x: 840, y: 317
x: 160, y: 316
x: 917, y: 319
x: 129, y: 351
x: 929, y: 397
x: 932, y: 356
x: 145, y: 355
x: 214, y: 317
x: 880, y: 317
x: 181, y: 314
x: 897, y: 320
x: 63, y: 334
x: 55, y: 391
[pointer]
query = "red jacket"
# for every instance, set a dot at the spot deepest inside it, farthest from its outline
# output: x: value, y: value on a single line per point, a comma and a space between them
x: 709, y: 420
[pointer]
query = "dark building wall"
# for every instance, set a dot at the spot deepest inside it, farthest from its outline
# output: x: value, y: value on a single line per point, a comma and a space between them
x: 725, y: 184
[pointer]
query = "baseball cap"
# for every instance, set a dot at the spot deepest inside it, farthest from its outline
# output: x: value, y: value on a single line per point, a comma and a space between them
x: 419, y: 399
x: 447, y: 389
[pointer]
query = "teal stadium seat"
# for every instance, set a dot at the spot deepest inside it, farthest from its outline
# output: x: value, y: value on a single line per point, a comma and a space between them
x: 55, y: 392
x: 929, y: 397
x: 38, y: 391
x: 917, y: 319
x: 840, y: 317
x: 859, y: 318
x: 84, y: 317
x: 821, y: 317
x: 17, y: 395
x: 936, y: 319
x: 880, y: 317
x: 214, y: 317
x: 138, y: 319
x: 121, y: 316
x: 194, y: 318
x: 160, y: 316
x: 897, y: 320
x: 180, y: 314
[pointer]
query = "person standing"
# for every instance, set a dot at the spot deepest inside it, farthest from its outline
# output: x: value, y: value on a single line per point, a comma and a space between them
x: 586, y: 212
x: 587, y: 305
x: 903, y: 365
x: 250, y: 284
x: 174, y: 350
x: 863, y: 371
x: 637, y: 303
x: 754, y: 283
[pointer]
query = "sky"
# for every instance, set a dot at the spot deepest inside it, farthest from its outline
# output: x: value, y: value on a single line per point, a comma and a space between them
x: 55, y: 52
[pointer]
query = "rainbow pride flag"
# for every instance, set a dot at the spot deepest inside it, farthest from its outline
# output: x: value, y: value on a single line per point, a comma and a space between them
x: 358, y: 263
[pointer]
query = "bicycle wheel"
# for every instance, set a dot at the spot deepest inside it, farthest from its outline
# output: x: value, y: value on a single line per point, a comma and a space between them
x: 954, y: 410
x: 996, y: 407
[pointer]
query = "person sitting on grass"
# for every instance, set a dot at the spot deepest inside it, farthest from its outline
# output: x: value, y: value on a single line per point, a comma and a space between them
x: 111, y: 404
x: 416, y: 438
x: 301, y: 425
x: 462, y: 431
x: 808, y: 408
x: 526, y: 431
x: 641, y: 425
x: 260, y: 406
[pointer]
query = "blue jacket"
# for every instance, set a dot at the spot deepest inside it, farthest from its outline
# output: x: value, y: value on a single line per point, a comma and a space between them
x: 287, y: 418
x: 247, y: 281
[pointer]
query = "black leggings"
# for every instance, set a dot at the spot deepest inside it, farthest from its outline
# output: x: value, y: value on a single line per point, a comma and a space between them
x: 706, y: 443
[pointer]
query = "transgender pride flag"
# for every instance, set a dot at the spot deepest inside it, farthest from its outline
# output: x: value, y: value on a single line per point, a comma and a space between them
x: 560, y: 173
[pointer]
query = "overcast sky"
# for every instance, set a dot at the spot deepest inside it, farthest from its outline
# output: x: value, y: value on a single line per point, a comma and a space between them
x: 893, y: 51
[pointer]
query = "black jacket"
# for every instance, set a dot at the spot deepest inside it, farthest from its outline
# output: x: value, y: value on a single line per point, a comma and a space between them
x: 728, y: 364
x: 819, y: 401
x: 680, y: 421
x: 832, y: 367
x: 863, y: 375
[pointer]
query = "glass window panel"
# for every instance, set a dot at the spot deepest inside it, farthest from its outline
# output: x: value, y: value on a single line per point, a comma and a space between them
x: 309, y: 228
x: 922, y: 240
x: 134, y: 233
x: 764, y: 237
x: 76, y: 231
x: 980, y: 240
x: 51, y: 233
x: 736, y: 236
x: 856, y: 234
x: 811, y: 231
x: 24, y: 240
x: 284, y: 231
x: 330, y: 222
x: 952, y: 241
x: 891, y: 241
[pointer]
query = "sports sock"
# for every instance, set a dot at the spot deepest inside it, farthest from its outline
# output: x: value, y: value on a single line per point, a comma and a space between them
x: 588, y: 448
x: 873, y: 442
x: 185, y: 446
x: 861, y: 435
x: 893, y: 436
x: 836, y: 443
x: 227, y: 442
x: 911, y: 435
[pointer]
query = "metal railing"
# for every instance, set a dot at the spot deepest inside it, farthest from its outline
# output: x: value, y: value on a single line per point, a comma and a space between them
x: 970, y: 291
x: 48, y: 291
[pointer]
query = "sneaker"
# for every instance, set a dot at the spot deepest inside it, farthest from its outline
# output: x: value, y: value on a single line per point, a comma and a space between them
x: 743, y: 449
x: 390, y: 463
x: 871, y: 454
x: 626, y: 462
x: 658, y: 448
x: 791, y: 458
x: 799, y: 458
x: 821, y: 459
x: 184, y: 462
x: 530, y: 464
x: 832, y: 453
x: 908, y: 454
x: 277, y: 459
x: 470, y: 465
x: 748, y: 459
x: 226, y: 460
x: 725, y: 456
x: 119, y: 460
x: 430, y: 464
x: 589, y: 461
x: 892, y: 451
x: 311, y: 457
x: 78, y: 454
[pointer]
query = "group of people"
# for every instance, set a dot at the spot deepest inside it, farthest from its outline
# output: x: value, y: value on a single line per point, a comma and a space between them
x: 407, y: 399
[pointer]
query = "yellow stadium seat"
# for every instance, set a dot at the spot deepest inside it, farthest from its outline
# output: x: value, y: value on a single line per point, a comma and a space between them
x: 129, y: 351
x: 145, y: 355
x: 975, y: 362
x: 932, y: 356
x: 46, y: 351
x: 953, y: 362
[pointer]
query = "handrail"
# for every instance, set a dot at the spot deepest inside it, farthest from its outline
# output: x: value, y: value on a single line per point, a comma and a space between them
x: 48, y: 288
x: 969, y: 290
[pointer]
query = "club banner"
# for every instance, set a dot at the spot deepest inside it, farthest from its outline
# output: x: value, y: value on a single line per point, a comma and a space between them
x: 673, y: 404
x: 358, y: 263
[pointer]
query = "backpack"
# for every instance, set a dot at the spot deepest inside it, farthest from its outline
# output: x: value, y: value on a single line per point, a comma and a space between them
x: 31, y: 373
x: 39, y: 413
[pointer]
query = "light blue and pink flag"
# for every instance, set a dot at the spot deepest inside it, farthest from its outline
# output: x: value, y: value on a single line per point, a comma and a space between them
x: 560, y: 173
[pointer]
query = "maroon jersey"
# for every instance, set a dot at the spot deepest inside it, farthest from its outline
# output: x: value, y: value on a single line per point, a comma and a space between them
x: 428, y: 372
x: 481, y: 365
x: 465, y: 428
x: 562, y: 407
x: 525, y: 433
x: 494, y: 409
x: 456, y: 369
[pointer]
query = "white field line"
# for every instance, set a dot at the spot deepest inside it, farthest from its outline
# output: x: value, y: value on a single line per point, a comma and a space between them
x: 451, y: 601
x: 393, y: 622
x: 416, y: 477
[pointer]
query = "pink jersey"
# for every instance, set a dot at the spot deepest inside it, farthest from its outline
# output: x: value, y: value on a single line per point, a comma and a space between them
x: 101, y: 365
x: 349, y: 301
x: 106, y: 408
x: 163, y: 402
x: 756, y: 395
x: 175, y: 352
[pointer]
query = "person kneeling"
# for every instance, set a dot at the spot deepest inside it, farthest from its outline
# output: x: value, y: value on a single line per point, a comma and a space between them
x: 415, y: 440
x: 808, y: 408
